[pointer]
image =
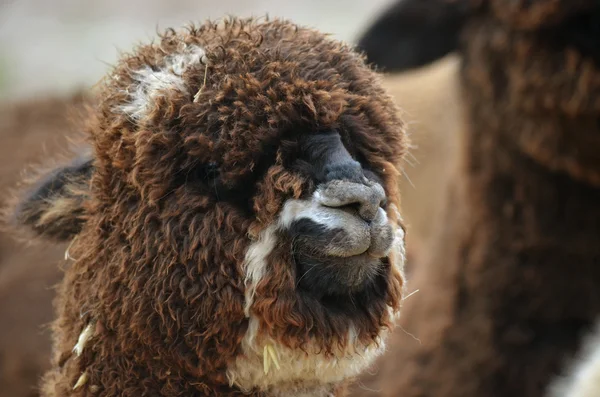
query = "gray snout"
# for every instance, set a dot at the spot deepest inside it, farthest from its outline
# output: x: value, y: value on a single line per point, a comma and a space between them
x: 367, y: 197
x: 340, y: 237
x: 363, y: 225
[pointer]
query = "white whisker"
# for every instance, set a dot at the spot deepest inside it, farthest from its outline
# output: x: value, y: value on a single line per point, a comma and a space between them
x: 411, y: 294
x: 411, y: 335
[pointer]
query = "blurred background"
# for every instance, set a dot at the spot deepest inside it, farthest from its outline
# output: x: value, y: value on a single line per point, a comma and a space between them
x: 54, y: 45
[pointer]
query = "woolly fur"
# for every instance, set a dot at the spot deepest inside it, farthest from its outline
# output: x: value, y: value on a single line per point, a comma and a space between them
x: 182, y: 275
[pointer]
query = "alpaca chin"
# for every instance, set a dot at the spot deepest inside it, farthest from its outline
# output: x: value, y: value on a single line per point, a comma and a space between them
x: 271, y: 366
x: 299, y: 373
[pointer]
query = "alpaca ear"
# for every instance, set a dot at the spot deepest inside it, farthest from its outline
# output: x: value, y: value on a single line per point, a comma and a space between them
x: 413, y: 33
x: 53, y: 206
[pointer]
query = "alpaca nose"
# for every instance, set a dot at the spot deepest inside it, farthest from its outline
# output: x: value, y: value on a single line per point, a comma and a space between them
x: 367, y: 198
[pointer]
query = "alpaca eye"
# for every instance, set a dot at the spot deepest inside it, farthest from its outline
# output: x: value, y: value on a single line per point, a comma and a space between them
x: 204, y: 172
x: 211, y: 170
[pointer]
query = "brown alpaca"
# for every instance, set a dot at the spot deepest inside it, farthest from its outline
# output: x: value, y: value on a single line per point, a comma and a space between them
x: 428, y: 98
x: 235, y: 228
x: 513, y: 282
x: 29, y: 131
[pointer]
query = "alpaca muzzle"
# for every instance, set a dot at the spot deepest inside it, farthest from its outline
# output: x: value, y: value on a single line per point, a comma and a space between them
x: 365, y: 227
x: 366, y: 198
x: 341, y: 237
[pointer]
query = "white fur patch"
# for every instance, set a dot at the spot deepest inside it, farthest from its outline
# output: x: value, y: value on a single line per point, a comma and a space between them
x: 398, y: 246
x: 255, y: 263
x: 399, y: 260
x: 300, y: 374
x: 84, y: 337
x: 81, y: 381
x: 583, y: 379
x: 154, y: 84
x: 294, y: 210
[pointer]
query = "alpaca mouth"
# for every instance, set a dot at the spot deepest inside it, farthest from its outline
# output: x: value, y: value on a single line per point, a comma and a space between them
x: 333, y: 276
x: 342, y: 260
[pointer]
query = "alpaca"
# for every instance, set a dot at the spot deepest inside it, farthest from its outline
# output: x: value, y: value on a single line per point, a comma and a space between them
x: 512, y: 284
x: 234, y: 227
x: 427, y: 97
x: 29, y: 130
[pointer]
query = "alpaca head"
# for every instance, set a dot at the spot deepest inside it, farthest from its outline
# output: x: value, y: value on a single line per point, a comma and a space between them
x: 237, y: 216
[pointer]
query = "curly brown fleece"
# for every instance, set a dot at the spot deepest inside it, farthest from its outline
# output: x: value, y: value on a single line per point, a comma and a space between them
x: 513, y: 282
x: 180, y: 186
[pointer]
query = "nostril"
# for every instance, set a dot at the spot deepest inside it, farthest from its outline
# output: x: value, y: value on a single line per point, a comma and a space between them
x: 371, y: 201
x: 353, y: 208
x: 369, y: 207
x: 364, y: 210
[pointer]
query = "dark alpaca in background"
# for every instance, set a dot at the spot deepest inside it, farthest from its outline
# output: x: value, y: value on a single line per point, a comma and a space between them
x: 513, y: 281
